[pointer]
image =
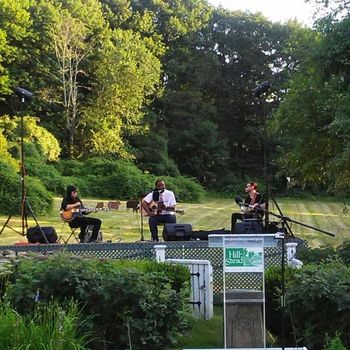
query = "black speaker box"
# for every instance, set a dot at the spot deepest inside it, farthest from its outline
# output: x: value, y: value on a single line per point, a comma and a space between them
x: 34, y: 235
x: 177, y: 232
x: 248, y: 226
x: 203, y: 235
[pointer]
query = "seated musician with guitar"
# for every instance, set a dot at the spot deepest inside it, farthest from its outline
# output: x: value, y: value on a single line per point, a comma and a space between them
x: 159, y: 205
x: 250, y: 206
x: 73, y: 207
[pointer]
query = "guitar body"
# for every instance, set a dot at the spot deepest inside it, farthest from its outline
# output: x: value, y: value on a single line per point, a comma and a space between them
x: 157, y: 207
x: 67, y: 215
x: 153, y: 208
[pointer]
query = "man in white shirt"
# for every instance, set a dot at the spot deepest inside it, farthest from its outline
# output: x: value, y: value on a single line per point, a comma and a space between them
x: 159, y: 205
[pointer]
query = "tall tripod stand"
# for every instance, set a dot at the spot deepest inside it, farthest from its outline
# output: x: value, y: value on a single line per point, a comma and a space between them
x: 24, y: 96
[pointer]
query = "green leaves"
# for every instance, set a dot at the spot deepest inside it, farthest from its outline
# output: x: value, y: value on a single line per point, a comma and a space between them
x: 320, y: 303
x: 144, y: 303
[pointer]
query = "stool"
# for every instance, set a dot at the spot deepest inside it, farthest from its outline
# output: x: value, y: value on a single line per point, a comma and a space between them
x: 72, y: 234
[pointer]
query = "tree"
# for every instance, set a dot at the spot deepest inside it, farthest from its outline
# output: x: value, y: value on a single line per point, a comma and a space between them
x: 313, y: 118
x: 71, y: 48
x: 15, y: 37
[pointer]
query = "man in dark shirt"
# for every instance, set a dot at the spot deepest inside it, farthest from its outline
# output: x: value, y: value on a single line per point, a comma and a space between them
x: 251, y: 205
x: 72, y: 201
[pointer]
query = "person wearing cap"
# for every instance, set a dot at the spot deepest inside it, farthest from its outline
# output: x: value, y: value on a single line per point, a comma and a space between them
x: 72, y: 201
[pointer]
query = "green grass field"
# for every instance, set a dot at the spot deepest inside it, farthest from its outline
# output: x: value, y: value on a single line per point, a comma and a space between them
x: 125, y: 226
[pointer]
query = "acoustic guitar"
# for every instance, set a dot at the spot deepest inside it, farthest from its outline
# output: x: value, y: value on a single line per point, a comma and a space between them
x: 67, y: 215
x: 157, y: 207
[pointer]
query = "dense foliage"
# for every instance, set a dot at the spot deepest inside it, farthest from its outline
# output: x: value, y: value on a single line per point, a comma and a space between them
x: 312, y: 122
x: 165, y: 85
x: 51, y: 327
x: 139, y: 304
x: 317, y: 299
x: 168, y: 87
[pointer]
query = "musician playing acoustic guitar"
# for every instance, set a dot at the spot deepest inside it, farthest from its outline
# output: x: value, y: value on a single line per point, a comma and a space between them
x: 72, y: 201
x: 159, y: 205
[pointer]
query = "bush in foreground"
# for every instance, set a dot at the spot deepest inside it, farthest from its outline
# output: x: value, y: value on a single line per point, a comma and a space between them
x: 51, y: 327
x: 138, y: 304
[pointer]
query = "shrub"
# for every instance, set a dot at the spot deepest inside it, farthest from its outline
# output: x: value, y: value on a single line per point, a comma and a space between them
x: 344, y: 253
x: 10, y: 190
x: 146, y: 306
x: 70, y: 167
x: 314, y: 255
x: 50, y: 327
x: 117, y: 179
x: 104, y: 178
x: 48, y: 174
x: 185, y: 189
x: 334, y: 343
x: 273, y: 291
x: 39, y: 198
x: 320, y: 303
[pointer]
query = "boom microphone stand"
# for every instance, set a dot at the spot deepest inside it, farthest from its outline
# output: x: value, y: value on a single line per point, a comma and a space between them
x: 282, y: 236
x: 24, y: 96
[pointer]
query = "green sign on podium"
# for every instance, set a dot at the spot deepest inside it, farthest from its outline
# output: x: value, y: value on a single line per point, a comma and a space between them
x: 244, y: 259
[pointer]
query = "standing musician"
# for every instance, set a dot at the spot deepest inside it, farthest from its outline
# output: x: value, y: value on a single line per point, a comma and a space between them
x: 72, y: 201
x: 159, y: 205
x: 250, y: 206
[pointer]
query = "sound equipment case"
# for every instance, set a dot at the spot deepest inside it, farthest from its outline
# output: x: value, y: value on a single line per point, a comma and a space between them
x: 34, y: 234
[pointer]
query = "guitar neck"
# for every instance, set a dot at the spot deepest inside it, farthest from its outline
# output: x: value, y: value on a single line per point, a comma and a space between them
x: 85, y: 210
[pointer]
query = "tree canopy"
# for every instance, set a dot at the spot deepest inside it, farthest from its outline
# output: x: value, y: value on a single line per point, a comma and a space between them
x: 168, y: 86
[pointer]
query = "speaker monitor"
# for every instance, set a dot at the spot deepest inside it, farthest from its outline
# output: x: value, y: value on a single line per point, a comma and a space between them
x: 248, y: 226
x: 177, y: 232
x: 34, y: 234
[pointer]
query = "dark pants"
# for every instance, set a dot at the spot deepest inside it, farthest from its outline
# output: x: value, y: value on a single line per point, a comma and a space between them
x: 155, y: 220
x: 83, y: 222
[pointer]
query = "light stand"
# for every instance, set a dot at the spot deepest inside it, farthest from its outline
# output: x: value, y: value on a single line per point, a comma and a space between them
x: 24, y: 96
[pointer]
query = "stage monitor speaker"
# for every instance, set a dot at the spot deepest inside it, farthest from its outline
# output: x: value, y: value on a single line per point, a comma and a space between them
x: 34, y: 235
x: 248, y: 226
x: 177, y: 232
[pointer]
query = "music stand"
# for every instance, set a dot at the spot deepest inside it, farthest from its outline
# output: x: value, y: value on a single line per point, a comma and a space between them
x: 25, y: 96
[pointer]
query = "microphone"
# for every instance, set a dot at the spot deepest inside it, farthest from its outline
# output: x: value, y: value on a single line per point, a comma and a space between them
x: 239, y: 200
x: 262, y: 88
x: 25, y: 94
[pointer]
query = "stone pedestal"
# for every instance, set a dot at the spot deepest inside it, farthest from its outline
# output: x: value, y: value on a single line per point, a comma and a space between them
x: 244, y: 319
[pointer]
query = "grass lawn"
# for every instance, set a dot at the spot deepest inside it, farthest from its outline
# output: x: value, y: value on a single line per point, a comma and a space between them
x: 124, y: 225
x: 212, y: 337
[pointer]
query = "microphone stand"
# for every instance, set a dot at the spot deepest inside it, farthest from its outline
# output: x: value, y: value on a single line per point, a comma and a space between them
x: 282, y: 236
x: 23, y: 94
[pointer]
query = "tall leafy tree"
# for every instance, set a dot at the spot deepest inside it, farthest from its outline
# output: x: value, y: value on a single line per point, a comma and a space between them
x: 15, y: 39
x: 216, y: 68
x: 313, y: 120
